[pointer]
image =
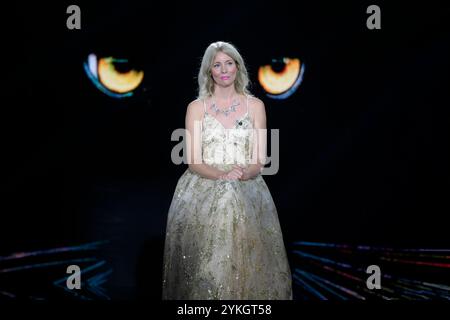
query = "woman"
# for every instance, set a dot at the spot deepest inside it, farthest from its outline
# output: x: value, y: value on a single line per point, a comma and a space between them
x: 223, y: 238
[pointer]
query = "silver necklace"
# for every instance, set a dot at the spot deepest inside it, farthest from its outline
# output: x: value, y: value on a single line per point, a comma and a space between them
x: 226, y: 111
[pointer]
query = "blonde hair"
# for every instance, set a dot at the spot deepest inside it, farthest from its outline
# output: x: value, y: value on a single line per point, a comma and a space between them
x: 205, y: 80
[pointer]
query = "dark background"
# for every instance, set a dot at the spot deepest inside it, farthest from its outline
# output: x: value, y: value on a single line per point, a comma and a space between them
x: 364, y: 142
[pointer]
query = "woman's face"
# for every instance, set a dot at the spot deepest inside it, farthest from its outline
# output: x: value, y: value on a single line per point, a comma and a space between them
x: 223, y: 69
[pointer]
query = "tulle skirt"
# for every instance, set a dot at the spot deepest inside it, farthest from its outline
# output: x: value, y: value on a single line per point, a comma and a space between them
x: 224, y: 242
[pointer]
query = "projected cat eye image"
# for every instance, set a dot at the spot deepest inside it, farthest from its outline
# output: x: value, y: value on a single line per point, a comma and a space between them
x: 282, y: 77
x: 114, y: 77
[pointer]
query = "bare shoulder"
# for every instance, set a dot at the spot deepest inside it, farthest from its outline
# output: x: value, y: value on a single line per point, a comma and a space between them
x: 256, y: 105
x: 195, y: 107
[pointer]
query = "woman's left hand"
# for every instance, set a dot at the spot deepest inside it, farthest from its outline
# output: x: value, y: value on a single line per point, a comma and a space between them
x: 245, y: 173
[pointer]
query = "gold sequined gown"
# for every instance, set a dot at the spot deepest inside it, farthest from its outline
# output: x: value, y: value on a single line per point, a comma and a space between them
x: 223, y: 238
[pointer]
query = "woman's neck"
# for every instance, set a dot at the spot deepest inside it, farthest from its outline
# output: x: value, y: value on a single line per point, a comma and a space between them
x: 224, y: 93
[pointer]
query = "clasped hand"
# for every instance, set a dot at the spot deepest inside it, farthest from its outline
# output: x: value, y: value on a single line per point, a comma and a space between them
x: 237, y: 173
